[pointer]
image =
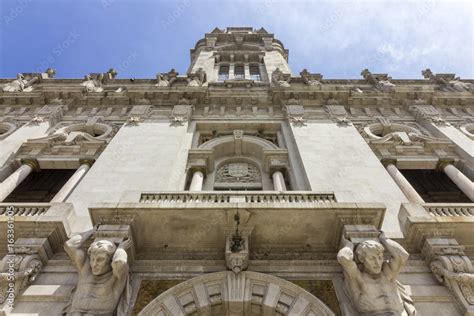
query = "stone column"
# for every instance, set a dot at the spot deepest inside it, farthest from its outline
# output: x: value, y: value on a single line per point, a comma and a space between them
x: 73, y: 181
x: 278, y: 181
x: 403, y: 183
x: 196, y: 182
x: 461, y: 181
x: 10, y: 183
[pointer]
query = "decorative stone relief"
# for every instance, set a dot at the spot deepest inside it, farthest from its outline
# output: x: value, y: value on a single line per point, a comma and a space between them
x: 338, y: 113
x: 453, y: 269
x: 166, y: 79
x: 30, y: 255
x: 280, y: 79
x: 311, y: 79
x: 181, y: 113
x: 380, y: 82
x: 139, y: 112
x: 371, y: 281
x: 197, y: 79
x: 103, y: 281
x: 24, y: 82
x: 237, y: 249
x: 447, y: 82
x: 386, y: 131
x: 296, y: 114
x: 243, y: 174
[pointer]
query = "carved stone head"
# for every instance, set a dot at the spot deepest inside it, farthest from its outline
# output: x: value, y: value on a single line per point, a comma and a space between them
x: 100, y: 253
x: 370, y: 254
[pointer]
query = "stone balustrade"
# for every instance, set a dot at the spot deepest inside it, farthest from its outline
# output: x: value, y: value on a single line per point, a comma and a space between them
x: 238, y: 196
x: 438, y: 209
x: 25, y: 209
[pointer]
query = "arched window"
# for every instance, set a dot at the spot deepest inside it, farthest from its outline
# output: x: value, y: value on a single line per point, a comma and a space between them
x: 223, y: 73
x: 255, y: 73
x: 239, y: 72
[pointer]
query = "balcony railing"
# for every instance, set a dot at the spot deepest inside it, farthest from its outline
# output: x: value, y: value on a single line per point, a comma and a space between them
x: 24, y: 209
x: 238, y: 197
x: 439, y: 209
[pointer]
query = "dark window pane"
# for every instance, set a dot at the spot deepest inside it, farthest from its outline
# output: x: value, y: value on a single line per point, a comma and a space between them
x: 223, y: 73
x: 255, y: 73
x: 239, y: 72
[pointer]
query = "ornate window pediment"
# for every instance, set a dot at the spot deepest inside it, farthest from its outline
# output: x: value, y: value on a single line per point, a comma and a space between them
x: 6, y: 129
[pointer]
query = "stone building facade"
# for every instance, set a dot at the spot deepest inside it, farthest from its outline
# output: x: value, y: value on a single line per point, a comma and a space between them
x: 238, y: 188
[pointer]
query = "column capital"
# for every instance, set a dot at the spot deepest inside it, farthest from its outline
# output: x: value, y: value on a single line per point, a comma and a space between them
x: 33, y: 163
x: 277, y: 169
x: 388, y: 161
x: 443, y: 162
x: 202, y: 169
x: 86, y: 161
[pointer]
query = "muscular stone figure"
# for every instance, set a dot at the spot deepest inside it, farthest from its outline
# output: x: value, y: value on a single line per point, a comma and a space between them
x: 309, y: 79
x: 166, y: 79
x: 447, y: 85
x: 374, y: 289
x: 381, y: 85
x: 91, y: 85
x: 103, y: 273
x: 280, y: 79
x: 20, y: 84
x: 197, y: 79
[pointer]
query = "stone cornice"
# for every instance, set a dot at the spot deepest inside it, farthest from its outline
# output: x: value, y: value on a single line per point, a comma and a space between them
x: 217, y: 101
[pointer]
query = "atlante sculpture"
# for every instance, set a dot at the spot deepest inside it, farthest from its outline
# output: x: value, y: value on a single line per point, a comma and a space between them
x: 371, y: 282
x: 103, y: 276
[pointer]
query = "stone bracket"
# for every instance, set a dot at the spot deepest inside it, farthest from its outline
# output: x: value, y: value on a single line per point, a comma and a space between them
x: 28, y: 258
x: 452, y: 268
x: 358, y: 233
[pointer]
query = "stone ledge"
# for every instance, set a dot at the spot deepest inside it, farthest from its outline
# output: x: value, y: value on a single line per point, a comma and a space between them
x: 430, y: 293
x: 46, y: 293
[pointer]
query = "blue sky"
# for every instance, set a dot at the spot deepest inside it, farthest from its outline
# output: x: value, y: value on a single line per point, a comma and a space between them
x: 142, y: 37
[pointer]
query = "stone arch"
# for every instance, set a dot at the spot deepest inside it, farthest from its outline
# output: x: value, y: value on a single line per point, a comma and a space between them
x: 236, y: 144
x: 227, y: 293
